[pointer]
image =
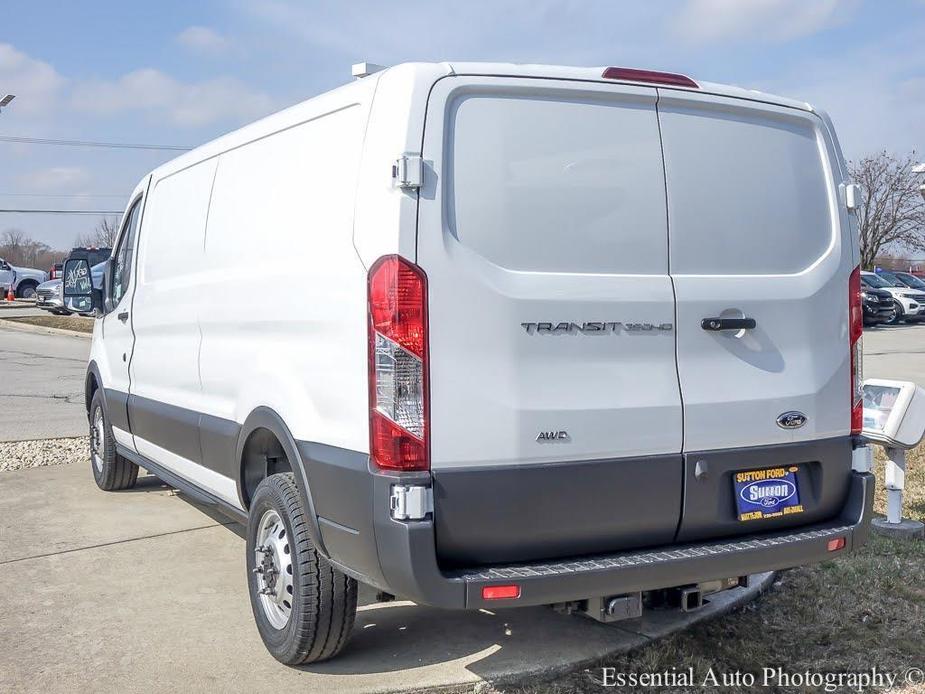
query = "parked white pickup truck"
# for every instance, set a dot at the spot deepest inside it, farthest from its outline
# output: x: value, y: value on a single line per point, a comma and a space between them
x: 25, y: 280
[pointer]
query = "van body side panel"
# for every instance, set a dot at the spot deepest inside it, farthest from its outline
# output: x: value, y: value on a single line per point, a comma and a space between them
x: 165, y: 311
x: 282, y: 291
x: 543, y: 235
x: 166, y: 395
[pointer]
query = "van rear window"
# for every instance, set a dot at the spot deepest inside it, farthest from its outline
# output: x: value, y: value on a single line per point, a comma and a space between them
x: 748, y: 191
x: 558, y: 184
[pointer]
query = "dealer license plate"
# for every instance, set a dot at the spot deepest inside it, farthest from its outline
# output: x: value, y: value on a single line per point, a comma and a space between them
x: 768, y: 493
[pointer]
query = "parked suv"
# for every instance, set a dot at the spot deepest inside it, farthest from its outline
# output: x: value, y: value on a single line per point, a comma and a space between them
x: 909, y: 280
x: 908, y: 304
x: 562, y: 336
x: 93, y: 254
x: 878, y: 306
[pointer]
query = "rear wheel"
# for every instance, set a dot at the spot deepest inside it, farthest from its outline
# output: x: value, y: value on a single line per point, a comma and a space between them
x: 111, y: 471
x: 26, y: 290
x: 303, y: 606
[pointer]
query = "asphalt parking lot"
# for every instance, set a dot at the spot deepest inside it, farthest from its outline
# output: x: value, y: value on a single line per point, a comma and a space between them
x: 41, y: 384
x: 140, y: 591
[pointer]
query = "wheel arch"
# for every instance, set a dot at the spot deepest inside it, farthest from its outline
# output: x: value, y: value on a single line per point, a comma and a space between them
x: 265, y: 418
x: 92, y: 383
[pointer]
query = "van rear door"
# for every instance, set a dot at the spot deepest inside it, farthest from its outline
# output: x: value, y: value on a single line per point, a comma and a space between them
x: 755, y: 232
x: 554, y: 403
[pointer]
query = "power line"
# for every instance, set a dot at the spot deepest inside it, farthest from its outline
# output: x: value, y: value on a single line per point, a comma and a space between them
x: 63, y: 195
x: 61, y: 211
x: 88, y: 143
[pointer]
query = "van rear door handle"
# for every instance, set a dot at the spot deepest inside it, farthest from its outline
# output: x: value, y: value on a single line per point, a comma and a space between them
x: 123, y: 316
x: 716, y: 324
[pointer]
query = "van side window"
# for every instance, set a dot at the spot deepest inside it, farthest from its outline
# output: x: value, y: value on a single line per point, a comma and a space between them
x: 122, y: 267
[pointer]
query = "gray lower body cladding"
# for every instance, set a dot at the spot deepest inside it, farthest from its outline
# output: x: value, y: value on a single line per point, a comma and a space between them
x: 551, y: 529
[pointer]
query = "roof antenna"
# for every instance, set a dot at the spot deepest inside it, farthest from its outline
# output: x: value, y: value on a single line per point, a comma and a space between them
x: 361, y: 70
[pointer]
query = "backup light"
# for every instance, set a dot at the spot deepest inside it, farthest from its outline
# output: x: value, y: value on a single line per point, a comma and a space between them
x: 398, y: 391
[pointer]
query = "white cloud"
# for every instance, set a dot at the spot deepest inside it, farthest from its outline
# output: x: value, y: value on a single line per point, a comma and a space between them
x: 768, y: 20
x: 36, y: 84
x: 874, y: 92
x: 203, y: 40
x: 159, y: 95
x: 56, y: 179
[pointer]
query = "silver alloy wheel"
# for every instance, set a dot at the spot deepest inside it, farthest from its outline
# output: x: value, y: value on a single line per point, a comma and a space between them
x: 98, y: 439
x: 273, y: 567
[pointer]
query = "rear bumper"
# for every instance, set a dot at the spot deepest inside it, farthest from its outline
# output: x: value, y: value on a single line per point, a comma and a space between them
x: 401, y: 557
x: 410, y: 565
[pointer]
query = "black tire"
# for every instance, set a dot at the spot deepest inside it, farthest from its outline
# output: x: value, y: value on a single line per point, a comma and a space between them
x: 898, y: 313
x: 323, y: 600
x: 26, y: 290
x: 111, y: 471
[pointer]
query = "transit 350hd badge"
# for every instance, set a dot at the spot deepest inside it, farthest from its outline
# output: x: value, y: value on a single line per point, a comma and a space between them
x: 768, y: 493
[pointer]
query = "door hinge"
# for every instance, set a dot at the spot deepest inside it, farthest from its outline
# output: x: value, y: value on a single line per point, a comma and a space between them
x: 408, y: 171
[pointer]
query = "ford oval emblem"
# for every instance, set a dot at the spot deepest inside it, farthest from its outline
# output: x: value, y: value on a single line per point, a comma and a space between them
x: 791, y: 420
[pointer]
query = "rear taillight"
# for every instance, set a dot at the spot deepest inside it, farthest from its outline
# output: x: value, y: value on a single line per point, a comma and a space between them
x: 399, y: 430
x: 855, y: 341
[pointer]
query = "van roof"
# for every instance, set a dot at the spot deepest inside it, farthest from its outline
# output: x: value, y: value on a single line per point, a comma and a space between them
x: 428, y: 71
x: 596, y: 74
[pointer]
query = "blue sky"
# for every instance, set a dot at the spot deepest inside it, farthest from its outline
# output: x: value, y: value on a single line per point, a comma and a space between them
x: 181, y: 73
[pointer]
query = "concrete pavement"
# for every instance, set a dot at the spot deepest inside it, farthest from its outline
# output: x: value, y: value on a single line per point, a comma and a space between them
x: 41, y: 385
x: 895, y: 352
x: 140, y: 591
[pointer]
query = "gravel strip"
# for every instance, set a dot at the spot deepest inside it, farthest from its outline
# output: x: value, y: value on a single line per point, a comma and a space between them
x: 18, y: 455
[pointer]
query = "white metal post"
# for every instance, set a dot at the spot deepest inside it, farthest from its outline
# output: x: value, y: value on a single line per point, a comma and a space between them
x: 895, y: 483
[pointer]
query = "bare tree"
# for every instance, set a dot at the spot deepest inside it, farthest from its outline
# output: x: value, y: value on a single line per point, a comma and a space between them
x: 11, y: 244
x: 102, y: 236
x: 18, y: 248
x: 892, y: 211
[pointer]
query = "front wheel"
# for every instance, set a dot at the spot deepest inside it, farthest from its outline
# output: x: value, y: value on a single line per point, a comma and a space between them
x: 898, y: 313
x: 303, y: 606
x: 111, y: 471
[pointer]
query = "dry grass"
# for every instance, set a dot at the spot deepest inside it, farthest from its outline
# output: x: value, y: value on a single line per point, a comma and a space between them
x: 848, y: 615
x: 76, y: 323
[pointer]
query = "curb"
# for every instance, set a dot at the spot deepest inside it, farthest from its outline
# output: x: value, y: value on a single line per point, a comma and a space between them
x: 41, y: 330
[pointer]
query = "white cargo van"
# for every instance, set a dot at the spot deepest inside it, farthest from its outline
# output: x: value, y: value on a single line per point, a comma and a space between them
x: 579, y: 337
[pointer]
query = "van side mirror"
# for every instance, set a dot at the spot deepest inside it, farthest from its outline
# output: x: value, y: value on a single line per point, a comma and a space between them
x: 80, y: 296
